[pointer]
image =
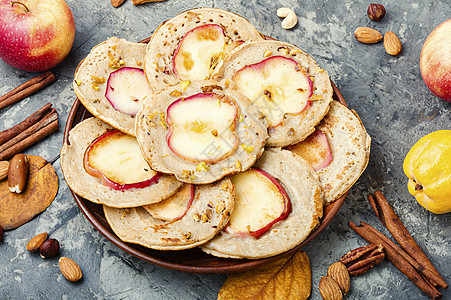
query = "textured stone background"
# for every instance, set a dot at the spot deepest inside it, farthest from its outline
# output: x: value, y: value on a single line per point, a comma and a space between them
x: 387, y: 92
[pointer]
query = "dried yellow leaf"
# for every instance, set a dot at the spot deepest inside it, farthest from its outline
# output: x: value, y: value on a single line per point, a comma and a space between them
x: 287, y: 278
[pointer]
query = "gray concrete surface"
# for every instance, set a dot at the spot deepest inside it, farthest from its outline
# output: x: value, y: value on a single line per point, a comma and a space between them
x: 387, y: 92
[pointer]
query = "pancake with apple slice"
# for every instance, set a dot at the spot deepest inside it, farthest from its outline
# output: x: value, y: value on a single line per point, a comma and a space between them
x: 191, y: 45
x: 111, y: 84
x: 338, y: 150
x: 105, y: 166
x: 285, y: 83
x: 200, y: 131
x: 188, y: 219
x: 277, y: 204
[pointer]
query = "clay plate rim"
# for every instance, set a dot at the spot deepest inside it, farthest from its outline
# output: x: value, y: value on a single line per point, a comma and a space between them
x: 192, y: 260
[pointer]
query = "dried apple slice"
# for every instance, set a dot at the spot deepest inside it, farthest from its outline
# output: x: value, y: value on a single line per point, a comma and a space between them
x: 199, y: 52
x: 115, y: 157
x: 278, y: 85
x: 260, y: 202
x: 126, y: 88
x: 199, y: 123
x: 315, y: 150
x: 174, y: 207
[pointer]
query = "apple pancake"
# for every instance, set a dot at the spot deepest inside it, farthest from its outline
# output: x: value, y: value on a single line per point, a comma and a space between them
x: 111, y: 84
x: 344, y: 155
x: 192, y: 44
x: 301, y: 185
x: 105, y: 188
x: 200, y: 131
x: 208, y: 213
x: 285, y: 83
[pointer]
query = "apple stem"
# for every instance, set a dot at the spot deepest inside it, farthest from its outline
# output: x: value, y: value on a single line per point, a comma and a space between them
x: 18, y: 2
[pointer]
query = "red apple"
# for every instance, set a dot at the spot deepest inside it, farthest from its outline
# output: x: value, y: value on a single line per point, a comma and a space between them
x: 260, y: 202
x: 116, y: 159
x: 35, y: 35
x: 435, y: 61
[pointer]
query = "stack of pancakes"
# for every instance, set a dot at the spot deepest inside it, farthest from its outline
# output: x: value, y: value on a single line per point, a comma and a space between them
x: 256, y: 138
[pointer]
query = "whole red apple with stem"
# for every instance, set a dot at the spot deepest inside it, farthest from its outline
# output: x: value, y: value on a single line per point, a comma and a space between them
x: 435, y: 61
x: 35, y: 35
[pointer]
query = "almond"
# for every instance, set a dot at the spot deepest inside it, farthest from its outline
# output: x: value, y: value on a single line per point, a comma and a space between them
x: 367, y: 35
x: 338, y: 272
x: 18, y: 173
x: 392, y: 44
x: 138, y: 2
x: 329, y: 289
x: 35, y: 243
x: 70, y: 269
x: 4, y: 165
x: 117, y: 3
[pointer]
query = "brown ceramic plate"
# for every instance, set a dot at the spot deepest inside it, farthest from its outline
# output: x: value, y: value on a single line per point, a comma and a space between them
x: 192, y: 260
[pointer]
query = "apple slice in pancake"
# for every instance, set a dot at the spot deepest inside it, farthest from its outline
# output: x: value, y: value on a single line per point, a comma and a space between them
x: 200, y: 132
x: 260, y: 202
x: 126, y: 88
x: 200, y: 51
x: 315, y: 150
x: 116, y: 158
x: 174, y: 207
x: 278, y: 85
x: 201, y: 122
x: 137, y: 183
x: 285, y: 82
x: 295, y: 219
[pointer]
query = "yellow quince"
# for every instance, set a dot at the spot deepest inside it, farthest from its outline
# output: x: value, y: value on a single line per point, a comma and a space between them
x: 428, y: 167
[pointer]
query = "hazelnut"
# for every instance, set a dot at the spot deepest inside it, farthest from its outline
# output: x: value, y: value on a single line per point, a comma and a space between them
x: 376, y: 12
x: 49, y: 248
x: 1, y: 233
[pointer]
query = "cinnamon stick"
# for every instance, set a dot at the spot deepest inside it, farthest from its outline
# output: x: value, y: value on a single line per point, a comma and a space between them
x: 49, y: 118
x: 6, y: 135
x: 390, y: 220
x: 26, y: 89
x: 30, y: 140
x: 428, y: 274
x: 369, y: 234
